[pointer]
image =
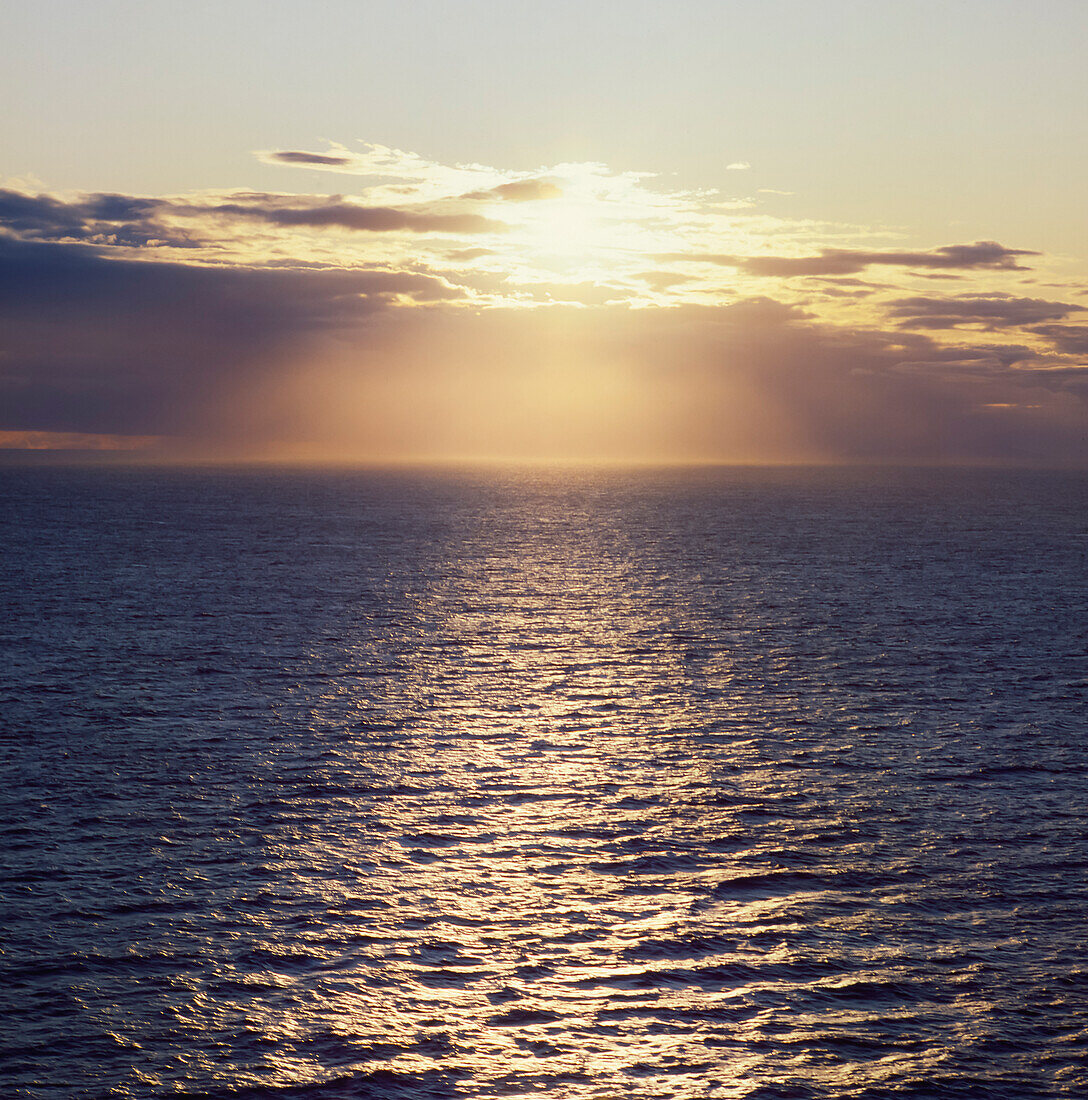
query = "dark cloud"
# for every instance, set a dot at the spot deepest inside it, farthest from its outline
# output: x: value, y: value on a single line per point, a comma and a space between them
x: 106, y: 218
x: 136, y: 222
x: 96, y: 344
x: 993, y: 311
x: 320, y: 160
x: 520, y: 191
x: 848, y: 261
x: 41, y: 215
x: 372, y: 219
x: 1070, y: 339
x: 120, y: 208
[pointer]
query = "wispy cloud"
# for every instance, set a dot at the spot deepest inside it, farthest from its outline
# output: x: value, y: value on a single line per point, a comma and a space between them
x: 309, y: 160
x: 992, y: 311
x: 532, y: 190
x: 108, y: 219
x: 355, y: 217
x: 1069, y: 339
x: 847, y: 261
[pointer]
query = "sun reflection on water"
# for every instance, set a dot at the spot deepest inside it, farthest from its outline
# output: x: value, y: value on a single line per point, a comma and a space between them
x: 579, y: 868
x: 563, y: 788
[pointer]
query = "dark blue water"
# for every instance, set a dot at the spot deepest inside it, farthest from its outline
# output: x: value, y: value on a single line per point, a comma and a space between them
x: 579, y: 784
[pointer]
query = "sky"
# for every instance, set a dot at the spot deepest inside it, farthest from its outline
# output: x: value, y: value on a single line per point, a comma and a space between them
x: 687, y: 232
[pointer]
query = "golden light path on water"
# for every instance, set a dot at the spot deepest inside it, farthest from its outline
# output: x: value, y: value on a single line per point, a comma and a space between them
x: 593, y: 863
x: 573, y: 784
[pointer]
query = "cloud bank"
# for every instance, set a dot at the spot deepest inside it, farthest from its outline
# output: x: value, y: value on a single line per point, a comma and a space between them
x: 462, y: 311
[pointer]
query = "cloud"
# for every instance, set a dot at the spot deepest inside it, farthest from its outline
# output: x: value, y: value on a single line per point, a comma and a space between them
x: 1071, y: 339
x: 520, y: 191
x: 754, y: 380
x: 585, y: 293
x: 253, y: 320
x: 467, y: 254
x: 102, y: 345
x: 395, y: 172
x: 992, y: 311
x: 348, y: 215
x: 107, y: 218
x: 662, y: 280
x: 738, y: 166
x: 313, y: 160
x: 135, y: 222
x: 842, y: 292
x: 761, y: 313
x: 847, y: 261
x: 841, y: 282
x: 249, y: 359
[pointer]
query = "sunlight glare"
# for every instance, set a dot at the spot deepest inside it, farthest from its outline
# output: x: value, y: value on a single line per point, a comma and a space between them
x: 568, y: 234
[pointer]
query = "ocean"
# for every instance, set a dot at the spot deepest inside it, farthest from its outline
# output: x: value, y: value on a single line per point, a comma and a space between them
x: 572, y: 783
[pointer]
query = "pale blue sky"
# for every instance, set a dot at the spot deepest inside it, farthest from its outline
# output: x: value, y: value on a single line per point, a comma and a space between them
x: 948, y: 119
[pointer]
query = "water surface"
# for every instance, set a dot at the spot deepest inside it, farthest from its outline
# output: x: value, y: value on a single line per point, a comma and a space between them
x: 581, y: 784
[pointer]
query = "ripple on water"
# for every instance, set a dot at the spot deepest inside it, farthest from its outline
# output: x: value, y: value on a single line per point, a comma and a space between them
x: 590, y: 784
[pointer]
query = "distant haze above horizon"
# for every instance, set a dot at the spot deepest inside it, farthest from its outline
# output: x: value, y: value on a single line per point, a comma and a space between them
x: 633, y: 232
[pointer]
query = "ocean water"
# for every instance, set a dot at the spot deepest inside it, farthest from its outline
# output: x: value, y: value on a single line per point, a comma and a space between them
x: 571, y: 783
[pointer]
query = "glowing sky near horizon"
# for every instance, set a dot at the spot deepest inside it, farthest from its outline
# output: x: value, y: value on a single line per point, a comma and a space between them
x: 635, y: 231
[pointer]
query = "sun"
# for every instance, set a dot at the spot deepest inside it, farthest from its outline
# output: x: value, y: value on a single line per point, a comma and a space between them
x: 567, y: 236
x: 568, y: 227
